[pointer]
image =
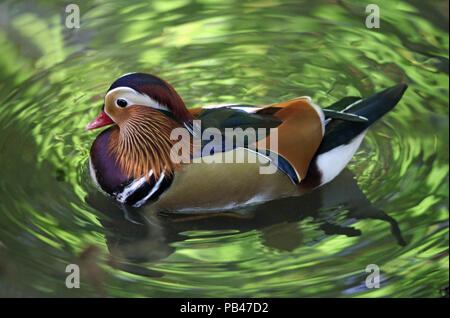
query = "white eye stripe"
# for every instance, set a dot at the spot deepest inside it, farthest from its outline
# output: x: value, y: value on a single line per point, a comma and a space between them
x: 134, y: 98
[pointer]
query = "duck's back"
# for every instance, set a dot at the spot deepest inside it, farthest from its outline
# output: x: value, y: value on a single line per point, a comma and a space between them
x: 220, y: 186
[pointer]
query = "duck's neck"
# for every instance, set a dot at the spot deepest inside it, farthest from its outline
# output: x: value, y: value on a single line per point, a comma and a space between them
x: 142, y: 143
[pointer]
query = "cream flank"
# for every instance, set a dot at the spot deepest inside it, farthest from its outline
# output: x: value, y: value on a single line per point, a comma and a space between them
x: 222, y: 186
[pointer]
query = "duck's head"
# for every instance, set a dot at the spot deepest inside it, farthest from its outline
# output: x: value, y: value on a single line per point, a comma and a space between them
x: 136, y: 93
x: 145, y: 110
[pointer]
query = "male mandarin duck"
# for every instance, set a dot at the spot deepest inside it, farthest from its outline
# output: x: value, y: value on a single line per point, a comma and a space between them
x: 132, y: 160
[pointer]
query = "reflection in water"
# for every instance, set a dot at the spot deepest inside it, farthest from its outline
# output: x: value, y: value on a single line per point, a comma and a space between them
x: 52, y: 83
x: 147, y: 238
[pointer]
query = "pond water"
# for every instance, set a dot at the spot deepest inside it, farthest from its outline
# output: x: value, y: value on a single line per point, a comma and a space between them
x: 389, y: 208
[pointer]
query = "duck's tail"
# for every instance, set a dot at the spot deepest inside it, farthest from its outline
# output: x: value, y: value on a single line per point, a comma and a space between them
x: 344, y: 135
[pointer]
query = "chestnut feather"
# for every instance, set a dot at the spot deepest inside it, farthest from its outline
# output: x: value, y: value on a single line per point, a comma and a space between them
x: 142, y: 143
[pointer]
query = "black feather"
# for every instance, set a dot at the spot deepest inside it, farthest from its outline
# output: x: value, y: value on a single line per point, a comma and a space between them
x: 340, y: 132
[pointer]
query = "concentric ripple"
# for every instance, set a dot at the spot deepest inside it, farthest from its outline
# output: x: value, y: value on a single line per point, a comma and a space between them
x: 389, y: 208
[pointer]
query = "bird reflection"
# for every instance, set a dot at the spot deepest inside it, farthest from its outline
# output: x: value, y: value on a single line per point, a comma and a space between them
x: 138, y: 238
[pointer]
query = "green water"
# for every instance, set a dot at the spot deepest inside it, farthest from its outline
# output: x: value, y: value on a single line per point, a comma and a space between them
x: 389, y: 208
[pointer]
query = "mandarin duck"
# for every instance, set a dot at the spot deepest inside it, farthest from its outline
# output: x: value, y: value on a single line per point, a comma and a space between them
x: 302, y: 146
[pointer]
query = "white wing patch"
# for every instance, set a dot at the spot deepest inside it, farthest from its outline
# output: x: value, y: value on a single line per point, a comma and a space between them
x: 331, y: 163
x: 133, y: 97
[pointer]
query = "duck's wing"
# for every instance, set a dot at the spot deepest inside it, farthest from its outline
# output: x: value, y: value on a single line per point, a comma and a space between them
x: 247, y: 127
x: 299, y: 135
x: 299, y: 130
x: 232, y: 117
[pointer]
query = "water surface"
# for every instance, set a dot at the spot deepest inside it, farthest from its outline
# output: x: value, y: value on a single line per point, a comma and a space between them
x: 389, y: 208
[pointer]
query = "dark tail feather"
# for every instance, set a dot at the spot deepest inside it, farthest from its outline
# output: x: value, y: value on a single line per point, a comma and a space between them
x: 340, y: 132
x: 378, y: 104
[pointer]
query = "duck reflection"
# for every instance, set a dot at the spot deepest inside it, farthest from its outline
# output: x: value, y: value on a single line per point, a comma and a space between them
x: 139, y: 238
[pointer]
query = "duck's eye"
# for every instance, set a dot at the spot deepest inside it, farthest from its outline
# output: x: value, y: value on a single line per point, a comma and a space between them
x: 121, y: 102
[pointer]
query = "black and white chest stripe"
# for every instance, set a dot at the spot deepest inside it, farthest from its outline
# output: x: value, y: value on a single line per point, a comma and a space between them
x: 140, y: 191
